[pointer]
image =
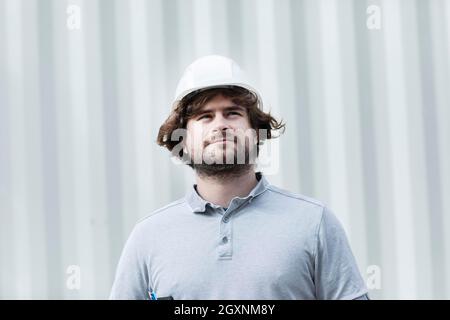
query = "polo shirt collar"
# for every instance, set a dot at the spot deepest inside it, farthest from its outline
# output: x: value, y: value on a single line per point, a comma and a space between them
x: 198, y: 204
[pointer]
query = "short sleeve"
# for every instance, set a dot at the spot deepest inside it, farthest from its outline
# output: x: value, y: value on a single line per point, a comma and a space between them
x: 131, y: 278
x: 336, y: 274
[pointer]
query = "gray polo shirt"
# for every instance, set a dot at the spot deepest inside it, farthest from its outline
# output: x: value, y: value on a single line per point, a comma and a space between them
x: 271, y: 244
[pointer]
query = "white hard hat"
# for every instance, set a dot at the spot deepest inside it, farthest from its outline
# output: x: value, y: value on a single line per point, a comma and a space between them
x: 212, y: 71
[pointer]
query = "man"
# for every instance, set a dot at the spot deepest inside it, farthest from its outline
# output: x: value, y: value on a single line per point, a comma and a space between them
x: 234, y: 235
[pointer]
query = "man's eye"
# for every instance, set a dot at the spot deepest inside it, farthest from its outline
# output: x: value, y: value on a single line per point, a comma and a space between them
x: 234, y: 112
x: 203, y: 116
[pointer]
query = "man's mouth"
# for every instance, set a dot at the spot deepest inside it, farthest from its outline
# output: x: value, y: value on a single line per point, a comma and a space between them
x: 224, y: 141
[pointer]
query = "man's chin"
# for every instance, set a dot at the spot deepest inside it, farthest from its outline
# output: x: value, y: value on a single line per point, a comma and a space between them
x: 221, y: 170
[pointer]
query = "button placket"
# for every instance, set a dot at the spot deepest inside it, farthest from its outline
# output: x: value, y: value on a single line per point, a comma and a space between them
x: 225, y: 238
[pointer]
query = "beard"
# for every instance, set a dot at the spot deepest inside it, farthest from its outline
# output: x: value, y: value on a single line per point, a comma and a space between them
x: 223, y: 170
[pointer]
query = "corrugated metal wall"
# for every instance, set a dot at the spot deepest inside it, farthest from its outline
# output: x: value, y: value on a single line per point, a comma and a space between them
x: 367, y: 114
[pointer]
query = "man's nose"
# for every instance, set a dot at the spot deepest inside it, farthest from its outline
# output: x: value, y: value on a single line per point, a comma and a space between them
x: 220, y: 124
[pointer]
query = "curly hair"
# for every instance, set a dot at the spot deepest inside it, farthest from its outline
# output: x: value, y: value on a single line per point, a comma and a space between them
x: 189, y: 106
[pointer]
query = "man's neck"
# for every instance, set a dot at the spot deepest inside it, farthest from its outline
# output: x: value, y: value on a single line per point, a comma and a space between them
x: 222, y: 191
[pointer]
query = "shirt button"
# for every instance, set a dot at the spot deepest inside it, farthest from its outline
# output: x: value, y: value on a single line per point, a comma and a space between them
x: 226, y: 219
x: 224, y: 239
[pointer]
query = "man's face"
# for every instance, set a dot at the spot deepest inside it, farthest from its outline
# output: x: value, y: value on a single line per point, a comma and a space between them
x: 220, y: 133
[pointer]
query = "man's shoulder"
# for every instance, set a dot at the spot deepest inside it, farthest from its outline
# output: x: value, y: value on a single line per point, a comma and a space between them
x: 302, y: 210
x: 172, y: 207
x: 297, y: 198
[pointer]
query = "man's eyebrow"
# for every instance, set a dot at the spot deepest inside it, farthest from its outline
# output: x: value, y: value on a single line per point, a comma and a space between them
x: 228, y: 108
x: 235, y: 107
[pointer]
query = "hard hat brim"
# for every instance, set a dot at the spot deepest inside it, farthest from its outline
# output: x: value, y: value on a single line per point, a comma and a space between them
x: 194, y: 91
